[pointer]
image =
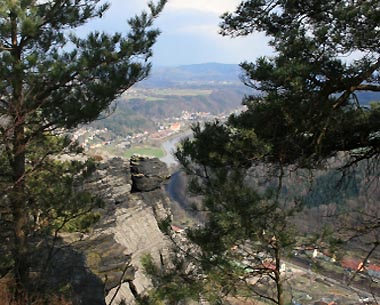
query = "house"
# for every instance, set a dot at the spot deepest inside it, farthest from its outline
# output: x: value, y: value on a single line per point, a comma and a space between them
x: 177, y: 229
x: 352, y: 264
x: 175, y: 126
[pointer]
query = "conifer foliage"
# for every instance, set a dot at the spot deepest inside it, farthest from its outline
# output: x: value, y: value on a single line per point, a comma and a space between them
x: 326, y: 53
x: 51, y: 80
x: 305, y: 108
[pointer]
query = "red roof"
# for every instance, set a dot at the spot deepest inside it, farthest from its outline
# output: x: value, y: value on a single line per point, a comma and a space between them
x: 270, y: 266
x: 373, y: 268
x: 177, y: 229
x: 350, y: 263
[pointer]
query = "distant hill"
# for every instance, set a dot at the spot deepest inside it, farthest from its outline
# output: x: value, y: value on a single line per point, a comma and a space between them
x: 199, y: 75
x: 211, y: 75
x: 142, y: 110
x: 158, y: 107
x: 212, y: 87
x: 125, y: 121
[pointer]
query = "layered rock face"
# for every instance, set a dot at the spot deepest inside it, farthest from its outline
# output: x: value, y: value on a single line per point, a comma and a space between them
x: 147, y: 174
x: 135, y: 202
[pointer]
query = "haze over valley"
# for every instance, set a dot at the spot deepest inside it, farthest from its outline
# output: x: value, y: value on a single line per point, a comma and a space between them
x: 166, y: 104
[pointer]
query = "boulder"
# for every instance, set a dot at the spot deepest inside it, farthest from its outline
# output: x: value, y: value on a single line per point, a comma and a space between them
x: 128, y: 228
x: 147, y: 173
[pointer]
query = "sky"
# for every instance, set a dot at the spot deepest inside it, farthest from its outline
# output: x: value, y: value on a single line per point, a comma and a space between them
x: 189, y: 32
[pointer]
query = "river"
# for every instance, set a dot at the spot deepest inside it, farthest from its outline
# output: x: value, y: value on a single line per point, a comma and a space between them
x: 176, y: 188
x: 170, y: 146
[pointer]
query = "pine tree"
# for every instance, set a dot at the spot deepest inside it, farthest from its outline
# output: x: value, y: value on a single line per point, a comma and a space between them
x: 309, y: 107
x: 248, y: 229
x: 305, y: 109
x: 52, y: 81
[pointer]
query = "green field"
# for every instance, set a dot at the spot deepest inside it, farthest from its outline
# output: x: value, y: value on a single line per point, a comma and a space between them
x: 144, y: 150
x: 181, y: 92
x: 160, y: 94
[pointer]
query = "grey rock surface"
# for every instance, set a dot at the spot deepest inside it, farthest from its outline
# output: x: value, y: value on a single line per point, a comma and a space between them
x: 67, y: 271
x: 147, y: 173
x: 128, y: 228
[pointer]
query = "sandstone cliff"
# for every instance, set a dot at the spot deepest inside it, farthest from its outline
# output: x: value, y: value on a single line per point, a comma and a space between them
x: 135, y: 202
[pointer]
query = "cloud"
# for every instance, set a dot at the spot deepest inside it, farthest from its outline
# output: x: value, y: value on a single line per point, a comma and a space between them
x: 175, y: 49
x: 115, y: 18
x: 187, y: 22
x: 189, y: 32
x: 215, y: 6
x: 190, y: 35
x: 200, y: 29
x: 178, y: 15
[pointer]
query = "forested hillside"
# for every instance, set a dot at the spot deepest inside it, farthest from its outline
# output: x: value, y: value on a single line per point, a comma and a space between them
x: 214, y: 101
x: 212, y: 87
x: 168, y: 92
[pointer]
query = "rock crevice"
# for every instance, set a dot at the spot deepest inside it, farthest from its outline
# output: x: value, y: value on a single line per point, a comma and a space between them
x: 135, y: 202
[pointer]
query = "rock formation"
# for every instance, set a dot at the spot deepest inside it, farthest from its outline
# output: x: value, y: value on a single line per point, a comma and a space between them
x: 147, y: 174
x: 134, y: 204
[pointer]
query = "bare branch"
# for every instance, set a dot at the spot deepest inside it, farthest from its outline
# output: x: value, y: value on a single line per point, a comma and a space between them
x: 368, y: 87
x: 375, y: 245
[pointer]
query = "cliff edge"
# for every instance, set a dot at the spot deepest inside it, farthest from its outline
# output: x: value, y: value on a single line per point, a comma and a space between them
x: 135, y: 203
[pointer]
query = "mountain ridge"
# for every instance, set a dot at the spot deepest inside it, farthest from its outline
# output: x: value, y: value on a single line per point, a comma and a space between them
x: 194, y: 74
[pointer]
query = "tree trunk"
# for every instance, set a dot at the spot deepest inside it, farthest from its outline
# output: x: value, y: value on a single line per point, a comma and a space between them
x: 20, y: 213
x: 279, y: 282
x: 18, y: 196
